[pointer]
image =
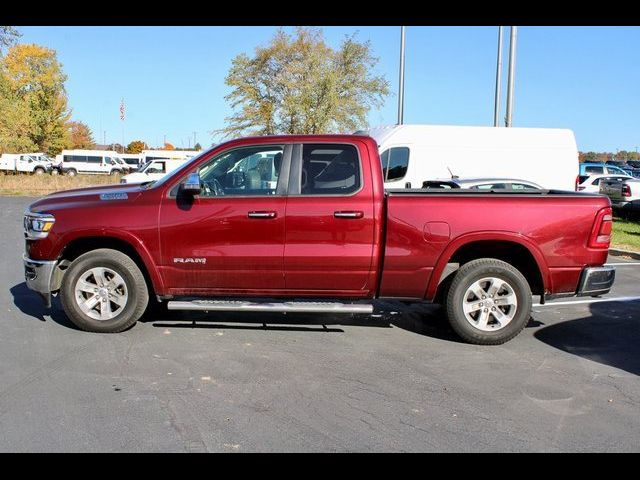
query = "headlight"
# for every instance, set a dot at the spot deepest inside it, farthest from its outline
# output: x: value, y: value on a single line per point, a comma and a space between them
x: 38, y: 225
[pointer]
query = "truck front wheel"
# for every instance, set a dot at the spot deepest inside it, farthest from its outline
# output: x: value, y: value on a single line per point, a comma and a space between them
x: 488, y: 302
x: 104, y: 291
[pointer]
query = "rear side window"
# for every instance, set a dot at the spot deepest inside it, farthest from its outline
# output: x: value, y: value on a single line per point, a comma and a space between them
x: 489, y: 186
x: 94, y: 159
x: 395, y: 162
x: 582, y: 178
x: 74, y: 158
x: 329, y: 169
x: 522, y: 186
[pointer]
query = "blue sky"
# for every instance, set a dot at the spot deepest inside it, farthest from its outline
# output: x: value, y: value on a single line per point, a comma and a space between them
x: 172, y: 78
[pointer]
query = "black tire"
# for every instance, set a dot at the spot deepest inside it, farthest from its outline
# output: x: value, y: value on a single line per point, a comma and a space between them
x: 134, y: 281
x: 115, y: 172
x: 468, y: 274
x: 71, y: 172
x: 55, y: 171
x: 38, y: 171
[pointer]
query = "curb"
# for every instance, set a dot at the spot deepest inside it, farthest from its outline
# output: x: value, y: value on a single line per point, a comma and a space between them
x: 625, y: 253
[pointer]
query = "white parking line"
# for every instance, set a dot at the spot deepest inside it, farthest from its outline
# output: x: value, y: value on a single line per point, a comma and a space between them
x: 622, y: 264
x: 595, y: 300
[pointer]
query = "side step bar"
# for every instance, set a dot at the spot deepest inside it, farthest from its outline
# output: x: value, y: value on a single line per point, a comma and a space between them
x: 246, y: 306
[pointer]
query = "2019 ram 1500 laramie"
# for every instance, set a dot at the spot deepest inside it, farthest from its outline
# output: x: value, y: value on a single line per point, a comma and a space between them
x: 303, y: 224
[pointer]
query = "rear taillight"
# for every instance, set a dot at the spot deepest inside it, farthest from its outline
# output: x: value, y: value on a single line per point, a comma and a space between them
x: 577, y: 182
x: 626, y: 190
x: 601, y: 232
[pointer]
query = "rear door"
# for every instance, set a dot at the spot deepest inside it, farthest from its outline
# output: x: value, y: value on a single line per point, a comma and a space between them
x: 330, y: 221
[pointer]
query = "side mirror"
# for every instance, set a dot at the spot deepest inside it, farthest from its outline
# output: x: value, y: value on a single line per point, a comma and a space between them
x: 192, y: 184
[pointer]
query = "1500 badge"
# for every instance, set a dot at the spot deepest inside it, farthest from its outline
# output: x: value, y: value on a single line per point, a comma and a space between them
x: 189, y: 260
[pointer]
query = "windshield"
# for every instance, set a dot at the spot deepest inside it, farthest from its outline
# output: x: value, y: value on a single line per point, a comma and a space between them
x: 177, y: 171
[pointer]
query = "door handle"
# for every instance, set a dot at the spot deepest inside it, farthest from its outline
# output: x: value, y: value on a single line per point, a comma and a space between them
x: 262, y: 214
x: 348, y: 214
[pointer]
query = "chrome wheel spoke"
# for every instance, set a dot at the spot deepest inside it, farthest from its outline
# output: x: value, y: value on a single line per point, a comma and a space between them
x: 101, y: 293
x: 489, y: 304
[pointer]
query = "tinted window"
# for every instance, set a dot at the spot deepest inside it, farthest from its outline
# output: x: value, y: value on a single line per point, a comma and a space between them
x: 489, y: 186
x: 156, y: 167
x: 329, y: 169
x: 94, y: 159
x: 244, y: 171
x: 394, y: 163
x: 74, y: 158
x: 522, y: 186
x: 597, y: 170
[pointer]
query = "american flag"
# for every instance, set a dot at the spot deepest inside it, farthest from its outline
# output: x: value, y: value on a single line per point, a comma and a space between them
x: 122, y: 110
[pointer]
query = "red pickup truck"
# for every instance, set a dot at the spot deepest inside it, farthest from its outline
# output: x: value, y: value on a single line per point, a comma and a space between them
x: 303, y: 224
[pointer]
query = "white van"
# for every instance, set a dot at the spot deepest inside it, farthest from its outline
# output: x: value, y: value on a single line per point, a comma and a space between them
x: 149, y: 155
x: 73, y: 162
x: 411, y: 154
x: 153, y: 170
x: 37, y: 163
x: 133, y: 160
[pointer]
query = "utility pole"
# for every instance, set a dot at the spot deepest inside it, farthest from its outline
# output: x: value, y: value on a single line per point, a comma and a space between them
x: 194, y: 140
x: 496, y: 106
x: 512, y: 72
x: 401, y: 82
x: 164, y: 141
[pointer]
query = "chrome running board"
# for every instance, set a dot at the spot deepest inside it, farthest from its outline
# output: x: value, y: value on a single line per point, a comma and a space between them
x: 285, y: 307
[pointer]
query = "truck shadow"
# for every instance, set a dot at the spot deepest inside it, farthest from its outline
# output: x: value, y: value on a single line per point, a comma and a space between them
x: 609, y: 336
x: 29, y: 304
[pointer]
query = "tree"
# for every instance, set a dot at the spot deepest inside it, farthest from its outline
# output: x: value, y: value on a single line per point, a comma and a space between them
x: 136, y: 146
x: 8, y: 36
x: 79, y: 135
x: 32, y: 92
x: 298, y: 84
x: 168, y: 146
x: 197, y: 146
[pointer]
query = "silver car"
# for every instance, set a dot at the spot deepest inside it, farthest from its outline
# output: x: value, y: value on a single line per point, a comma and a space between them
x: 483, y: 184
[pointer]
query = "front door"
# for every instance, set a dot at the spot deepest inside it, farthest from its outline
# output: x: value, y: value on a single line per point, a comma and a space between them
x: 330, y: 222
x: 230, y: 238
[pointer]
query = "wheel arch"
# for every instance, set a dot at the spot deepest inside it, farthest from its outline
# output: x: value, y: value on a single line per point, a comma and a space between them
x: 130, y: 247
x: 511, y: 248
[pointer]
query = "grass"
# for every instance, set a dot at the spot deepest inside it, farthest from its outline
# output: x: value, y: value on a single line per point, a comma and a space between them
x: 40, y: 185
x: 626, y: 234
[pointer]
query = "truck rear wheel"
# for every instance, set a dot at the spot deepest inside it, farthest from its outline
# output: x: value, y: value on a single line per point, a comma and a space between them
x: 104, y: 291
x: 488, y: 302
x: 39, y: 171
x: 71, y: 173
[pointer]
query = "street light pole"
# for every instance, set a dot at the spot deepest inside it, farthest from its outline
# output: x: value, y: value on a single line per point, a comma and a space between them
x: 401, y: 82
x: 496, y: 106
x: 511, y: 78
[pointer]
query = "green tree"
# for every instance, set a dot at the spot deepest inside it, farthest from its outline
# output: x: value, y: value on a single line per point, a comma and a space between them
x: 32, y: 89
x: 197, y: 146
x: 79, y: 135
x: 298, y: 84
x: 136, y: 146
x: 8, y: 36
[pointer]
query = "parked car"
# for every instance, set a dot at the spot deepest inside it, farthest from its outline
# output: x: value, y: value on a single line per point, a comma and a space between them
x: 411, y: 154
x: 153, y: 170
x: 591, y: 183
x: 35, y: 163
x: 624, y: 195
x: 600, y: 169
x: 303, y: 224
x: 483, y: 184
x: 73, y: 162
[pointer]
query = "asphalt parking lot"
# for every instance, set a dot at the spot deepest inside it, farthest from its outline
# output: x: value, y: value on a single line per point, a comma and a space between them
x: 399, y: 381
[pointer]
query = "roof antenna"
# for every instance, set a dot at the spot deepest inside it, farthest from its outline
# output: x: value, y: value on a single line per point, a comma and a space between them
x: 453, y: 177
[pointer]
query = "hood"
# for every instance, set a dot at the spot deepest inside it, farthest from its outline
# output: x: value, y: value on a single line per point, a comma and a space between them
x: 99, y: 196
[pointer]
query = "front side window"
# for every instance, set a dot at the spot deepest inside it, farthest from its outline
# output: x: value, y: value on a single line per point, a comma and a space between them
x: 395, y: 162
x: 156, y: 167
x: 243, y: 171
x: 329, y: 169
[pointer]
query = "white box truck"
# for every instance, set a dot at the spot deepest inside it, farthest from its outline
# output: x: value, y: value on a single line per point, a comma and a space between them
x: 36, y: 163
x: 411, y: 154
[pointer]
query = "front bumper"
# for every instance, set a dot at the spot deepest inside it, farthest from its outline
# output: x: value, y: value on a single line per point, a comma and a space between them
x: 38, y: 275
x: 596, y: 281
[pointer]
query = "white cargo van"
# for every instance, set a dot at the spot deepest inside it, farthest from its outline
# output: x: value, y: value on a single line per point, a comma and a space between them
x: 73, y: 162
x: 37, y: 163
x: 411, y: 154
x: 149, y: 155
x: 153, y: 170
